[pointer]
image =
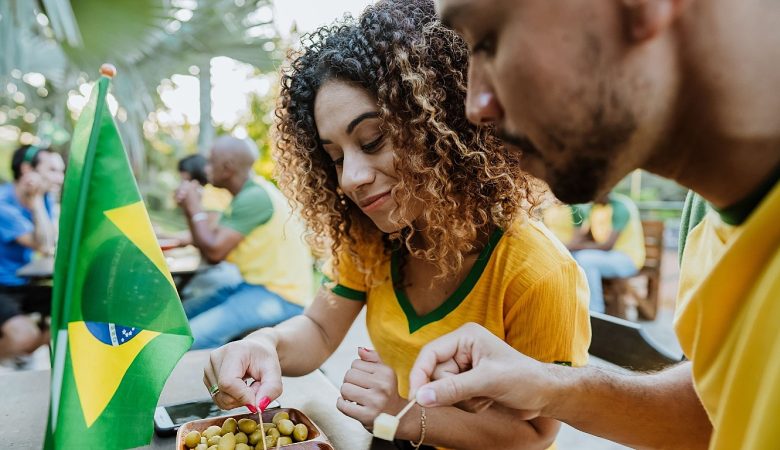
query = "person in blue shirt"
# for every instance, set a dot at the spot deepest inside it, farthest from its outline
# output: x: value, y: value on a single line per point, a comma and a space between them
x: 28, y: 212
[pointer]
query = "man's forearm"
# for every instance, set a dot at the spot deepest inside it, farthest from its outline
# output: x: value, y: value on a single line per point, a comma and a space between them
x: 659, y: 410
x: 203, y: 236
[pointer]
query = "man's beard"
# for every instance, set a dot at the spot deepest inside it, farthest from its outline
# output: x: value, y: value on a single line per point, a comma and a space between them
x: 581, y: 181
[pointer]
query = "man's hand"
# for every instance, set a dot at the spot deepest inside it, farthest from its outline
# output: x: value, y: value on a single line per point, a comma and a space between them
x: 488, y: 369
x: 369, y: 388
x: 188, y: 196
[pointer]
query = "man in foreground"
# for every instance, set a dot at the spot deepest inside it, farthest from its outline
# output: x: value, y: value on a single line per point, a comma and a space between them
x: 589, y: 91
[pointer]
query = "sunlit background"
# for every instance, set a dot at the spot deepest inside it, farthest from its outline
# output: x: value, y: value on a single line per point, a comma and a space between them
x: 162, y: 93
x: 188, y: 70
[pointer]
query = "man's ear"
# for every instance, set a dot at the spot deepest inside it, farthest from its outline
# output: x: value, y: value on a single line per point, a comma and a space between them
x: 646, y: 19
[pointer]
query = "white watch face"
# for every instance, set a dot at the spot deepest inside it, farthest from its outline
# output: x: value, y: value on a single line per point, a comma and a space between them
x: 385, y: 426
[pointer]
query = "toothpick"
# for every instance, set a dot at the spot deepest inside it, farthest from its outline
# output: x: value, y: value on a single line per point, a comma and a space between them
x: 406, y: 409
x: 262, y: 427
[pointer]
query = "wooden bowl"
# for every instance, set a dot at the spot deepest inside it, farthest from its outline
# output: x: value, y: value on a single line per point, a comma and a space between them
x: 316, y: 440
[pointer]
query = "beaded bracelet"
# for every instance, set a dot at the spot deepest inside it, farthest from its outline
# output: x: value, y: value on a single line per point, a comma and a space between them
x: 422, y: 429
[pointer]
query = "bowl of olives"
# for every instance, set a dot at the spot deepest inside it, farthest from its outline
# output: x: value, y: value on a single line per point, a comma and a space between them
x: 282, y: 427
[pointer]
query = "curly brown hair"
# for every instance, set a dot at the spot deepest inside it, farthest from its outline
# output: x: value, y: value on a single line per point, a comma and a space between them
x: 416, y: 69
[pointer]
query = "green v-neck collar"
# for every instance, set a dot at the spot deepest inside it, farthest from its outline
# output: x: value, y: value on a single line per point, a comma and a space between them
x: 416, y: 322
x: 737, y: 213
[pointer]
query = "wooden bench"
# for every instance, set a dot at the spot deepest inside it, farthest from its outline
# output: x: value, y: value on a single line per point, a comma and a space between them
x: 627, y: 344
x: 618, y: 291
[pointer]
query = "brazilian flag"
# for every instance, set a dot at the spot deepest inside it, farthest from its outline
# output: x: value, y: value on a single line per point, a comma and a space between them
x: 118, y: 327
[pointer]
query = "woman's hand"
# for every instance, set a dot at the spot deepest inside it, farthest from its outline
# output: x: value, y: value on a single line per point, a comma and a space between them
x: 369, y: 388
x: 31, y: 186
x: 232, y: 364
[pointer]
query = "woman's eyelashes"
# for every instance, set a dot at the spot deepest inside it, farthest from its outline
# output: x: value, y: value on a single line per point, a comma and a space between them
x: 370, y: 147
x: 373, y: 145
x: 485, y: 45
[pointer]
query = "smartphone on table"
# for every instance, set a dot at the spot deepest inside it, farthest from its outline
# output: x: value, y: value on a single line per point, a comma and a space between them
x: 168, y: 419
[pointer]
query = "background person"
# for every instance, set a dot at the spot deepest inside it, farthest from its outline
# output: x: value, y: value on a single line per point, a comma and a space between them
x: 258, y: 234
x: 28, y: 208
x: 214, y: 201
x: 608, y: 243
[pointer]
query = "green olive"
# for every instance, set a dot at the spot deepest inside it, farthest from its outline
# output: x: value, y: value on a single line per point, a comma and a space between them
x: 300, y: 432
x: 248, y: 426
x: 270, y: 441
x: 242, y: 446
x: 213, y: 447
x: 255, y: 437
x: 213, y: 440
x: 280, y: 416
x: 284, y: 440
x: 285, y: 427
x: 229, y: 426
x: 192, y: 439
x: 241, y: 438
x: 268, y: 426
x: 273, y: 432
x: 227, y: 442
x: 203, y: 439
x: 201, y: 446
x: 212, y: 431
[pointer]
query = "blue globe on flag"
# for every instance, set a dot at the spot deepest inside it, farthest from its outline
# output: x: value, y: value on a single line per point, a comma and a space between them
x: 111, y: 333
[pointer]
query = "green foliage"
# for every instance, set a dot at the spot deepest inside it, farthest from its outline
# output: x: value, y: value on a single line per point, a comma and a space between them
x: 148, y: 40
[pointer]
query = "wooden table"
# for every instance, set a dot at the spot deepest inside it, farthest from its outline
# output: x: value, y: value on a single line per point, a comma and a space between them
x: 180, y: 263
x: 25, y: 399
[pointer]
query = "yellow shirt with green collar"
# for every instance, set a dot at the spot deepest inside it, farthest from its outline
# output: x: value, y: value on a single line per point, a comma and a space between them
x: 561, y: 220
x: 215, y: 199
x: 273, y: 252
x: 728, y: 321
x: 524, y: 287
x: 619, y: 214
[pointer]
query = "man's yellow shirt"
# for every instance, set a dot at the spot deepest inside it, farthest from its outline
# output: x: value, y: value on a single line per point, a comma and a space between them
x: 728, y: 323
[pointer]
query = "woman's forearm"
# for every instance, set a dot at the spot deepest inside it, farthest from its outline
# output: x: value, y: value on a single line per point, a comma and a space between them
x: 494, y: 428
x: 304, y: 342
x: 298, y: 343
x: 44, y: 232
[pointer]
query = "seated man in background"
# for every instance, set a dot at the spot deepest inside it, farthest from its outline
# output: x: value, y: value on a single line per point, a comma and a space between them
x: 28, y: 215
x: 209, y: 277
x: 609, y: 242
x: 562, y: 219
x: 213, y: 199
x: 257, y: 234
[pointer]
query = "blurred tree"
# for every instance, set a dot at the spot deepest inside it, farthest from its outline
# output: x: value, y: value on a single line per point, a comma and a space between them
x: 63, y: 42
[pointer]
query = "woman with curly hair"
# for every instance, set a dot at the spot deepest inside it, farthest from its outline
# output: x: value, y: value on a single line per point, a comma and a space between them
x: 425, y: 219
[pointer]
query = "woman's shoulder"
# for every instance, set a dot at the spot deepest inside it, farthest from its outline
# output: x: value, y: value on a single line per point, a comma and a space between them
x: 528, y: 242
